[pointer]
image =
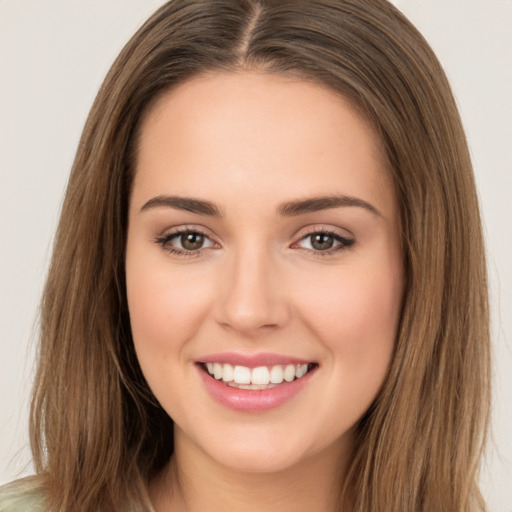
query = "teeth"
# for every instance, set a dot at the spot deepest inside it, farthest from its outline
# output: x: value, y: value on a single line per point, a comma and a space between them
x: 301, y: 370
x: 276, y: 374
x: 241, y: 375
x: 251, y: 386
x: 289, y: 373
x: 227, y: 373
x: 217, y: 371
x: 261, y: 377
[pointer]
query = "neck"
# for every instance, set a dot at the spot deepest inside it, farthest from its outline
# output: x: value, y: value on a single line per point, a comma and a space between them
x: 194, y: 482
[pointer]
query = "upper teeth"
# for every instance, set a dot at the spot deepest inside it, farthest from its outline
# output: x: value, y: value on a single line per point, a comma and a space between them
x: 260, y: 375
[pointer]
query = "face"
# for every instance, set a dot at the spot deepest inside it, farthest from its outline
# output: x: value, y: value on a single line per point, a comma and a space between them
x: 264, y: 267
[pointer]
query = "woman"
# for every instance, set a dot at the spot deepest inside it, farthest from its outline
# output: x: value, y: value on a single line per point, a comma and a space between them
x: 272, y: 195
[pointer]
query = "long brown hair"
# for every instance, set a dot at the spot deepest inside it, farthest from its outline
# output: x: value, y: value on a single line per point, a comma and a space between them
x: 97, y: 433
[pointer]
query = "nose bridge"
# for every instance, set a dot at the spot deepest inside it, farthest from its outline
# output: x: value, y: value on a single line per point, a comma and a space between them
x: 252, y: 295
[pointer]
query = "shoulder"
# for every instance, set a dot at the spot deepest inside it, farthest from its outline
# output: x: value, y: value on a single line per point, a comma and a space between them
x: 23, y: 495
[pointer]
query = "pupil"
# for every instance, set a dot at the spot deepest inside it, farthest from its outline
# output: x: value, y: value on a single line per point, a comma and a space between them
x: 192, y: 241
x: 322, y: 242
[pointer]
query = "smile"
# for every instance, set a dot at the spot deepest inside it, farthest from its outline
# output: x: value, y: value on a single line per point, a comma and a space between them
x: 254, y: 384
x: 261, y: 377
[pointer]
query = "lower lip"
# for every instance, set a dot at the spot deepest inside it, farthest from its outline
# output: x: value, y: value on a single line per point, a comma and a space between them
x: 253, y: 400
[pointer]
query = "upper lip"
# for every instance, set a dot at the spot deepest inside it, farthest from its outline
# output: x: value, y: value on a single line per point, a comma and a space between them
x: 252, y: 360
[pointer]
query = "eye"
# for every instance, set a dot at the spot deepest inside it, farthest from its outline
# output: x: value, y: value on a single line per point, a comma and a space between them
x: 326, y: 242
x: 185, y: 242
x: 190, y: 241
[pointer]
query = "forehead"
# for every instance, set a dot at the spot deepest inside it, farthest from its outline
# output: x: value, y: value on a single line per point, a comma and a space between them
x: 231, y: 134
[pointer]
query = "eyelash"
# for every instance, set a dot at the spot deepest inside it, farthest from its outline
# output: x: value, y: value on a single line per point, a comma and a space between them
x: 343, y: 243
x: 164, y: 240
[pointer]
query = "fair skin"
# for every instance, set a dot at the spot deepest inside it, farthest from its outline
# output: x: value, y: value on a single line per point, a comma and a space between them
x: 250, y: 273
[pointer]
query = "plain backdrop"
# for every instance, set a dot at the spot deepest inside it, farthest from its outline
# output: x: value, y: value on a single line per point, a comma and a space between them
x: 53, y: 57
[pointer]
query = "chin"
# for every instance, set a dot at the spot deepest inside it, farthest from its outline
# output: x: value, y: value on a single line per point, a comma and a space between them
x: 252, y: 459
x: 266, y: 449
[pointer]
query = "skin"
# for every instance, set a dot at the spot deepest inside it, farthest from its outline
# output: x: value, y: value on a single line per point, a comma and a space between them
x: 249, y: 142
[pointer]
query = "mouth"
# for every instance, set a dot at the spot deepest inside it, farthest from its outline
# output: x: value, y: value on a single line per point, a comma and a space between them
x: 256, y: 378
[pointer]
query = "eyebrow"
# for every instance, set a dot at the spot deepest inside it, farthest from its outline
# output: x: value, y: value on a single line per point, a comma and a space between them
x: 183, y: 203
x: 288, y: 209
x: 316, y: 204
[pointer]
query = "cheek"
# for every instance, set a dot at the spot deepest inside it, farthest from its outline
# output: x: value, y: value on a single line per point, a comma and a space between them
x: 165, y: 307
x: 356, y: 317
x: 358, y: 307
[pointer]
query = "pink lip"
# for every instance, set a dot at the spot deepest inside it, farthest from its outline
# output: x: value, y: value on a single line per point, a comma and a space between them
x: 251, y: 360
x: 251, y: 400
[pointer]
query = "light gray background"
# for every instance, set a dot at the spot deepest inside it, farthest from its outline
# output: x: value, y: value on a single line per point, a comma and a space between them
x: 53, y: 57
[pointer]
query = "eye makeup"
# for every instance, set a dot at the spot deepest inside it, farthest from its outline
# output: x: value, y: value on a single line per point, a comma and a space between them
x: 191, y: 241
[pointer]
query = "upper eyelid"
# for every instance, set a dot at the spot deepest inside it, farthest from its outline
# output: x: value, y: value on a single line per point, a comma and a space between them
x: 343, y: 240
x: 164, y: 242
x: 322, y: 228
x: 299, y: 234
x: 178, y: 230
x: 170, y: 233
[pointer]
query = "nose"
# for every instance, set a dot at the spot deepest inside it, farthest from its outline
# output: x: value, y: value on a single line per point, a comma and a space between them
x: 252, y: 297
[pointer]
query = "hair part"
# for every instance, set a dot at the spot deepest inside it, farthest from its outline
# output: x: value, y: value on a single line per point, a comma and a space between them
x: 97, y: 432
